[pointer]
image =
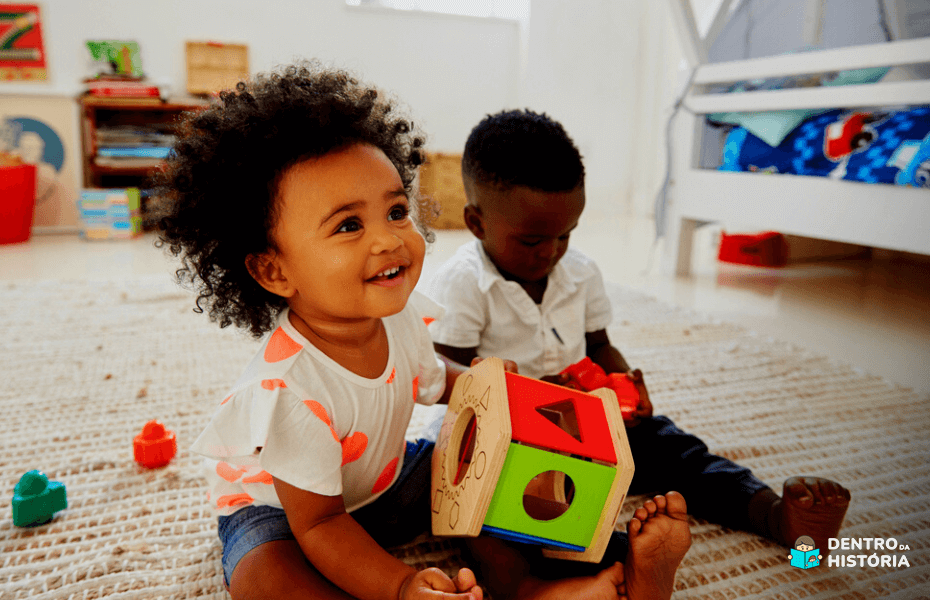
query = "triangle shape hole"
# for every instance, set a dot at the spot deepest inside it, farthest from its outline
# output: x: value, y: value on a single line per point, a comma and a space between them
x: 562, y: 414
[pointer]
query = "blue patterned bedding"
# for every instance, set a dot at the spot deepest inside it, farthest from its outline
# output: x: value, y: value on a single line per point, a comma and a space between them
x: 870, y: 146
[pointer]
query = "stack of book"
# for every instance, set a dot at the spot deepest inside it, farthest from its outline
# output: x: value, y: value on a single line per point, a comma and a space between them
x: 110, y: 214
x: 139, y: 147
x: 122, y: 86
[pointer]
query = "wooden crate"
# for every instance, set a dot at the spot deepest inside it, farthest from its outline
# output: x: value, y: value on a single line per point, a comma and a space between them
x: 441, y: 180
x: 215, y: 66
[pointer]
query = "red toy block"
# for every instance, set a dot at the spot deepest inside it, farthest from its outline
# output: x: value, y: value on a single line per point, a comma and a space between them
x: 531, y: 399
x: 586, y: 374
x: 626, y: 392
x: 155, y: 446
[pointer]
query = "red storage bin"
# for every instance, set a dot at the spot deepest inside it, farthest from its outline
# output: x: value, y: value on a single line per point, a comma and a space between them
x: 17, y: 203
x: 766, y: 249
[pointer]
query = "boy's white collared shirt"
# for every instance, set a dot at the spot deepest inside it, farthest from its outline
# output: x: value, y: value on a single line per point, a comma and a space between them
x: 485, y: 311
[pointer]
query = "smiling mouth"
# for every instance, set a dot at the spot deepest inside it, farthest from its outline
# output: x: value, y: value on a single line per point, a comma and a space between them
x: 388, y: 274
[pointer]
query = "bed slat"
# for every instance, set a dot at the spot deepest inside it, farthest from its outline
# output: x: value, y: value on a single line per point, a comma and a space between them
x: 901, y: 52
x: 847, y: 96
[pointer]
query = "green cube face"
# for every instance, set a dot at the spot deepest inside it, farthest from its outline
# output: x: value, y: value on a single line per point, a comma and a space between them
x: 578, y: 524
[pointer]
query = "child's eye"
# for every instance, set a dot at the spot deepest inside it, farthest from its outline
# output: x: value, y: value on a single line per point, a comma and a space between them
x: 530, y: 244
x: 398, y: 213
x: 349, y: 226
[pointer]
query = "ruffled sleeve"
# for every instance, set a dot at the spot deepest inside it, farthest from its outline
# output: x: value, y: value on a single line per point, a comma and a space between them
x: 302, y: 428
x: 431, y: 378
x: 240, y: 424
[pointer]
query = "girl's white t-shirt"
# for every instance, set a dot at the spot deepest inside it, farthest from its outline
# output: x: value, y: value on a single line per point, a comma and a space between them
x: 297, y: 415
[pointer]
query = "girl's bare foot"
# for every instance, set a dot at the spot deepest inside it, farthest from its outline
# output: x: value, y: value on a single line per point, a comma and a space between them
x: 811, y: 506
x: 659, y: 538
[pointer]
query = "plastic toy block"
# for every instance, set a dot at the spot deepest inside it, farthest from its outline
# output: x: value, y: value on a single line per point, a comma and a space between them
x: 155, y: 446
x: 540, y: 494
x: 36, y: 499
x: 586, y: 374
x: 529, y: 399
x: 577, y: 524
x: 627, y: 394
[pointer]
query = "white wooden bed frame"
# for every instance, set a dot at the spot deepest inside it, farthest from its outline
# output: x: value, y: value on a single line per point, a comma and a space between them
x: 881, y: 216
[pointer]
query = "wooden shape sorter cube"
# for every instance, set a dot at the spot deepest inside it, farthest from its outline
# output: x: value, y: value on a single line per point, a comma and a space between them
x: 530, y: 461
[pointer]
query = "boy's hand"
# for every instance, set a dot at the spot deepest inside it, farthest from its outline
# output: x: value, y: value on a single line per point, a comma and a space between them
x: 563, y: 379
x: 509, y: 365
x: 433, y: 584
x: 644, y: 410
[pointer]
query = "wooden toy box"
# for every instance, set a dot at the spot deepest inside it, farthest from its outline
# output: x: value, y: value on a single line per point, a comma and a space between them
x: 530, y: 461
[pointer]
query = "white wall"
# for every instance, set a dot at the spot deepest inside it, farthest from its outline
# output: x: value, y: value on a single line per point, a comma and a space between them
x: 605, y: 68
x: 449, y: 70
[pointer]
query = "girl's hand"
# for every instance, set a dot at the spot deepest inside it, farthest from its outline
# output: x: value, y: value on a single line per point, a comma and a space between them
x: 509, y: 365
x: 433, y: 584
x: 644, y: 410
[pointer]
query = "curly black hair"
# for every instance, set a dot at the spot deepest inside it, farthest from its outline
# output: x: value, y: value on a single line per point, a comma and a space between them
x: 522, y: 148
x: 217, y: 198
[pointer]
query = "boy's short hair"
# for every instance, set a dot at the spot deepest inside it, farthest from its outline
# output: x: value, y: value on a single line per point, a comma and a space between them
x: 217, y: 197
x: 522, y: 148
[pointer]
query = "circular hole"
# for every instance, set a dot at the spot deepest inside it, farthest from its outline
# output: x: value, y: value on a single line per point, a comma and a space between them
x: 548, y: 495
x: 462, y: 445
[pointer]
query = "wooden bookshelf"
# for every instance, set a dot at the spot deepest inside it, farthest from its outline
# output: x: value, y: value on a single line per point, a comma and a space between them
x: 97, y: 112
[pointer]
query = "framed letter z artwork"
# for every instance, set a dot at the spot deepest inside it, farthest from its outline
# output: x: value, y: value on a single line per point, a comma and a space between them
x: 22, y: 53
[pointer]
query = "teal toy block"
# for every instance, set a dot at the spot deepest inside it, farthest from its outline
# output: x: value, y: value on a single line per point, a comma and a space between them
x: 36, y: 499
x: 578, y: 524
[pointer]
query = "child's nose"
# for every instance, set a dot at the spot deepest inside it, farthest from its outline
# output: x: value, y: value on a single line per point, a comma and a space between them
x: 549, y: 249
x: 385, y: 240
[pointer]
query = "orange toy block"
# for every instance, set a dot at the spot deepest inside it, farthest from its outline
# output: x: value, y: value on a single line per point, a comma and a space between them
x: 155, y: 446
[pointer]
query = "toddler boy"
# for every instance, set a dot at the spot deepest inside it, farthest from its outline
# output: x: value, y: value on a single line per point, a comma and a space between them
x: 519, y: 291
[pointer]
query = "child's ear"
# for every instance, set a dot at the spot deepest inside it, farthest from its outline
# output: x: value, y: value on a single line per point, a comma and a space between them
x: 474, y: 220
x: 266, y: 270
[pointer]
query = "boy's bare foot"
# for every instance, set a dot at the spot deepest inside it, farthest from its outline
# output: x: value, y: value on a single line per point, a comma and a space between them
x: 811, y: 506
x: 659, y: 538
x: 606, y: 585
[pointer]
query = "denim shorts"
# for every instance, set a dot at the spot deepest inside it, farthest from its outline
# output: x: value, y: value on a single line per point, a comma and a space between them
x: 396, y: 517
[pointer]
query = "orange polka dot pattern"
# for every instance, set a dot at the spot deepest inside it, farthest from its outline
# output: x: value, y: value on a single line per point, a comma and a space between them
x: 280, y: 347
x: 353, y: 446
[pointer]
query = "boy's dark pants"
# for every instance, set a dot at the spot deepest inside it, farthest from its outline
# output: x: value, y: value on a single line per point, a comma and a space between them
x: 666, y: 458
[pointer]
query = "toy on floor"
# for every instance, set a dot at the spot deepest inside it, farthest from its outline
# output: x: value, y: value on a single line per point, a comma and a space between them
x: 530, y: 461
x: 587, y: 376
x: 36, y: 499
x: 155, y: 446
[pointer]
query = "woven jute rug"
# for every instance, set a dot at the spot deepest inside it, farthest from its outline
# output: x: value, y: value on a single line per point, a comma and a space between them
x: 85, y: 365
